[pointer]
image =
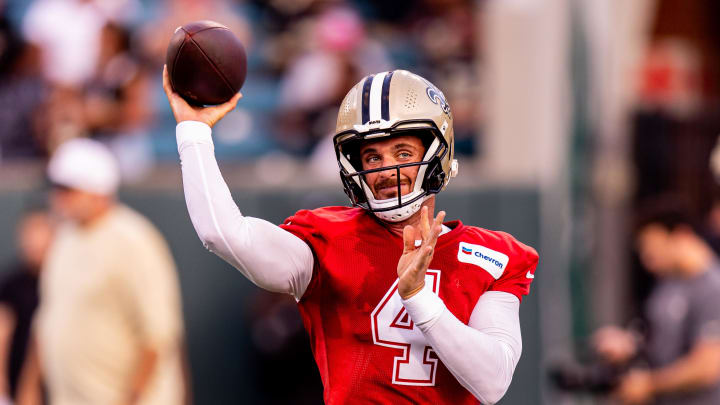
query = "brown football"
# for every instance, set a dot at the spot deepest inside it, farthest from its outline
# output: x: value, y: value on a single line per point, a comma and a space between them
x: 206, y: 63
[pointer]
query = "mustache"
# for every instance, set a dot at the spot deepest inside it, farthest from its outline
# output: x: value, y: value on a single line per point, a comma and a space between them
x: 390, y: 183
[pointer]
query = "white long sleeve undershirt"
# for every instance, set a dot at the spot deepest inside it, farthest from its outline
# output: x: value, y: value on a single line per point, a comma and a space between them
x: 481, y: 355
x: 267, y: 255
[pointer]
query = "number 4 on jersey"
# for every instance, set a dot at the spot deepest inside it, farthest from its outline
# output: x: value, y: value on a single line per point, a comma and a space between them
x: 392, y: 327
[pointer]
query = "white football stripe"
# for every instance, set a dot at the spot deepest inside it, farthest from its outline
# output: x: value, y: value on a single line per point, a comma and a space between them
x: 375, y: 96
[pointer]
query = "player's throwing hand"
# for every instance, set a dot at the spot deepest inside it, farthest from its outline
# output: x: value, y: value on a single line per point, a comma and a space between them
x: 415, y: 259
x: 185, y: 112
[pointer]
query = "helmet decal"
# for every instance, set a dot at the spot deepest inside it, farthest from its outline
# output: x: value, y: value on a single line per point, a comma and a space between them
x: 437, y: 97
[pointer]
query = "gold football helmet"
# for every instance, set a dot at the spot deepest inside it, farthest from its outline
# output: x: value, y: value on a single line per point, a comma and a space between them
x: 388, y: 104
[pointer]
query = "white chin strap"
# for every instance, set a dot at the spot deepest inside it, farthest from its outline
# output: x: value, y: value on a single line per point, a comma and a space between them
x: 398, y: 214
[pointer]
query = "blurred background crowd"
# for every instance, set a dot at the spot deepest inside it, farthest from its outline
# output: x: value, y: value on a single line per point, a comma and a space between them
x: 574, y: 120
x: 92, y: 68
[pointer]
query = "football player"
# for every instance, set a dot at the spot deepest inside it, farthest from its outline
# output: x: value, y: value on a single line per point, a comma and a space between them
x: 401, y: 308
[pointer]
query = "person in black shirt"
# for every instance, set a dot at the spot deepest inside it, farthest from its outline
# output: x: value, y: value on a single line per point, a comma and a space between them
x: 19, y: 298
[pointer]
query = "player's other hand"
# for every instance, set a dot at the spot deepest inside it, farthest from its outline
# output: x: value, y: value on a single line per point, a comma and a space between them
x: 614, y: 344
x: 416, y: 258
x: 636, y: 388
x: 186, y: 112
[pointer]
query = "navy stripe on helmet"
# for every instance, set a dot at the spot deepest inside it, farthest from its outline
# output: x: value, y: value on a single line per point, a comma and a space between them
x: 366, y: 99
x: 385, y: 97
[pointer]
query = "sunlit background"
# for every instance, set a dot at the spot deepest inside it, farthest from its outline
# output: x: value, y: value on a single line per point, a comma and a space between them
x: 568, y: 114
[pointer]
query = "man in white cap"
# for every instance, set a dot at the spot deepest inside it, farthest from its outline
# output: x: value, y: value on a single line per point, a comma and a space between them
x: 109, y: 326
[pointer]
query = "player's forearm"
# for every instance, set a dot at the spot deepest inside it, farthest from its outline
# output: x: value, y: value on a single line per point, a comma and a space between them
x: 267, y: 255
x: 207, y: 197
x: 699, y: 369
x: 482, y: 358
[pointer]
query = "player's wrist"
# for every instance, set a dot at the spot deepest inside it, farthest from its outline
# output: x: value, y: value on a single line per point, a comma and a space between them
x: 425, y: 307
x: 409, y: 293
x: 187, y: 132
x: 194, y: 124
x: 194, y: 118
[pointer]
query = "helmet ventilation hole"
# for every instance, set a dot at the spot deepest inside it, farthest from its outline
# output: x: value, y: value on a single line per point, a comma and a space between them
x: 410, y: 99
x: 344, y: 111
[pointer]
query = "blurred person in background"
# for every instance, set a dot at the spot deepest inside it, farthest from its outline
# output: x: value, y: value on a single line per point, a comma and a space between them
x: 117, y: 102
x: 63, y: 117
x: 113, y: 105
x: 109, y: 327
x: 68, y: 33
x: 682, y: 346
x: 19, y: 298
x: 95, y: 85
x: 22, y: 91
x: 335, y: 54
x: 117, y: 95
x: 445, y: 31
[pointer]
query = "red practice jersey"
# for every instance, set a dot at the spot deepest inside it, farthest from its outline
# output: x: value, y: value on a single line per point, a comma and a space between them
x: 367, y: 349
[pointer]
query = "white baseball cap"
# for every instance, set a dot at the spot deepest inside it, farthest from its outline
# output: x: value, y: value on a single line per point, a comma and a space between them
x: 84, y: 164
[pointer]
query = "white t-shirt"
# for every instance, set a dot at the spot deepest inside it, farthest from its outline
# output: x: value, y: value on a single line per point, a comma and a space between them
x: 105, y: 292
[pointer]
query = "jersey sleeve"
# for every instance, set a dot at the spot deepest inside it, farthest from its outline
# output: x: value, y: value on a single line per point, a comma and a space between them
x: 516, y: 279
x: 304, y: 225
